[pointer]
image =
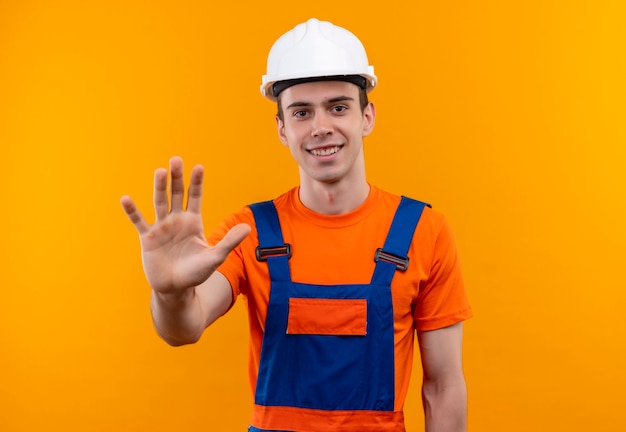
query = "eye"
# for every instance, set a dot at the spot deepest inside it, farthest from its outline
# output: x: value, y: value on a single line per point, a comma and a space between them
x: 339, y: 109
x: 300, y: 113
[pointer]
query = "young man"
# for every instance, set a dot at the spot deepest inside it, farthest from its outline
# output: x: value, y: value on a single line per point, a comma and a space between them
x: 338, y: 275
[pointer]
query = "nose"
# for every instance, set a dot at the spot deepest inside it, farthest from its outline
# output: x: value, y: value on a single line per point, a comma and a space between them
x: 321, y: 125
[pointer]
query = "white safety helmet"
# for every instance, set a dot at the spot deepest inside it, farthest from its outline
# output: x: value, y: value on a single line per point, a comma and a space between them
x: 316, y: 51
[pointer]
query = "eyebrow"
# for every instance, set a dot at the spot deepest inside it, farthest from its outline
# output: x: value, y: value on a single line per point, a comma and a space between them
x: 327, y: 102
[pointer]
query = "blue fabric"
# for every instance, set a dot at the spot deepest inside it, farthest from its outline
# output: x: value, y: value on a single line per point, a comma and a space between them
x: 253, y: 429
x: 270, y: 235
x: 330, y: 372
x: 399, y: 238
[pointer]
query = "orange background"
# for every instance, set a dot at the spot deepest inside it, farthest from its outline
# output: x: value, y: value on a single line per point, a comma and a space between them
x: 507, y: 116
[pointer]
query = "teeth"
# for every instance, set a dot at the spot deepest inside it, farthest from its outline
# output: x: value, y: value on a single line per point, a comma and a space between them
x: 325, y: 152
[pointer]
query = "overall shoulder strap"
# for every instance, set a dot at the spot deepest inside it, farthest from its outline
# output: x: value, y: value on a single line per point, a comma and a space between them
x: 272, y: 247
x: 394, y: 254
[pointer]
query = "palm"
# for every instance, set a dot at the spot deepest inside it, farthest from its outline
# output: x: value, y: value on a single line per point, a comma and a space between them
x: 175, y: 253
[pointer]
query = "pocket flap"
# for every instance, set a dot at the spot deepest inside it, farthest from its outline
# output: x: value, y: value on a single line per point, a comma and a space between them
x: 327, y: 316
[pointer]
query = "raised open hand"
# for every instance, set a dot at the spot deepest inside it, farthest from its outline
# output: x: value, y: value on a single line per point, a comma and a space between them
x: 175, y: 253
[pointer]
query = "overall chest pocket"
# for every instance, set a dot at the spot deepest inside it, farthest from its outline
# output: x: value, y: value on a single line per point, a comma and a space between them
x: 327, y: 346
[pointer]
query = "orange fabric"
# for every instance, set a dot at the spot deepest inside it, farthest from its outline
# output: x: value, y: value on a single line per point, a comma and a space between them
x: 289, y: 418
x: 327, y: 317
x: 328, y: 250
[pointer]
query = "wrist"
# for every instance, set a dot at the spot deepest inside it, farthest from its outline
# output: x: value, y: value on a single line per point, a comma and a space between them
x: 174, y: 298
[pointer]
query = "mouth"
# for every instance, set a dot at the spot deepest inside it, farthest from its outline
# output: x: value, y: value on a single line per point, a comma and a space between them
x: 325, y: 151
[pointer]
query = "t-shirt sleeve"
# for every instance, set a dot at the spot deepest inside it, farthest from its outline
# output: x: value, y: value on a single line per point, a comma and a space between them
x: 233, y: 267
x: 442, y: 299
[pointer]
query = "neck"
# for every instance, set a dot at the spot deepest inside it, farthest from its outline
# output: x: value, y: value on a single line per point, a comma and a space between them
x: 333, y: 198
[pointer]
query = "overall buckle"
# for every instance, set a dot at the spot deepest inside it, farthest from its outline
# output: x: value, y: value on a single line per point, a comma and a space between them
x: 401, y: 263
x: 262, y: 254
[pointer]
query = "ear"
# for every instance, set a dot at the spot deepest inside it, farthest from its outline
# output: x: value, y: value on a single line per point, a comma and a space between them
x: 280, y: 127
x: 369, y: 118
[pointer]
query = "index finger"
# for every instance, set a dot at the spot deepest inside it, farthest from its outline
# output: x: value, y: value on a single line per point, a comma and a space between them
x: 133, y: 214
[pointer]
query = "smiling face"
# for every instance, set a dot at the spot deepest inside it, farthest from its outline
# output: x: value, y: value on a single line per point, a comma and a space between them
x: 323, y: 126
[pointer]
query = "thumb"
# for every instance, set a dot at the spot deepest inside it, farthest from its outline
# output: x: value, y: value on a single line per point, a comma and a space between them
x: 233, y: 237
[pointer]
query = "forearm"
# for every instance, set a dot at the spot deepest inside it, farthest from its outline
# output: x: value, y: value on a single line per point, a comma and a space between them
x: 178, y: 319
x: 445, y: 406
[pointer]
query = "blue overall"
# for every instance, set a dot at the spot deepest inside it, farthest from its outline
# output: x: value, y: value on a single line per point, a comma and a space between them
x: 325, y: 371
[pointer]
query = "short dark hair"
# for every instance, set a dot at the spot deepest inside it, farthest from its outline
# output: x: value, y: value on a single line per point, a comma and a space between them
x: 363, y: 102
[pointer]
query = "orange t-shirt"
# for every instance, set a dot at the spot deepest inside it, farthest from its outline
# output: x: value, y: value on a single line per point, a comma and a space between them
x: 331, y: 250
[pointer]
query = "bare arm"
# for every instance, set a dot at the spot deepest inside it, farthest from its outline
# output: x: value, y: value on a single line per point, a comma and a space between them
x: 187, y: 292
x: 444, y: 392
x: 181, y: 320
